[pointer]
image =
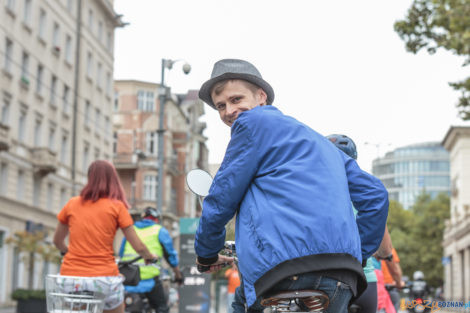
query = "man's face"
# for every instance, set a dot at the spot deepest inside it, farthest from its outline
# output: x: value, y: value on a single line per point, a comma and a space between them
x: 236, y: 97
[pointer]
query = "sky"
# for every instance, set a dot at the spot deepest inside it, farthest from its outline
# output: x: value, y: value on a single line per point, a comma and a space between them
x: 337, y: 66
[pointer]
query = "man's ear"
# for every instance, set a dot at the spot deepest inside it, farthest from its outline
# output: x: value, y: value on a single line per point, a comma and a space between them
x: 262, y: 97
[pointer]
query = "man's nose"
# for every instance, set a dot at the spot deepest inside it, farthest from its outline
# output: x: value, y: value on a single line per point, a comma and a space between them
x: 231, y: 109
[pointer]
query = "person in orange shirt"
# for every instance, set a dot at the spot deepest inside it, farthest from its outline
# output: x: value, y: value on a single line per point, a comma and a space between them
x: 233, y: 282
x: 91, y: 220
x: 392, y: 277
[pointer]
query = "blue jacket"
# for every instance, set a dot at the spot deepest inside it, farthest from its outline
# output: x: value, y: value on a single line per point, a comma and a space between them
x: 291, y: 190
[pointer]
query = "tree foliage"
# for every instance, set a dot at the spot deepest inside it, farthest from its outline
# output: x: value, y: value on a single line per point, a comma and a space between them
x: 434, y: 24
x: 417, y: 235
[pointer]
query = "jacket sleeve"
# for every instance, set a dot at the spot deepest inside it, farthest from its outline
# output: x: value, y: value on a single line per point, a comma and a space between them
x: 171, y: 256
x: 370, y: 198
x: 228, y: 189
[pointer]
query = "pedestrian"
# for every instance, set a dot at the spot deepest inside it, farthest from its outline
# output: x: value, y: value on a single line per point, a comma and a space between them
x: 291, y: 190
x: 159, y: 242
x: 91, y: 221
x: 233, y: 281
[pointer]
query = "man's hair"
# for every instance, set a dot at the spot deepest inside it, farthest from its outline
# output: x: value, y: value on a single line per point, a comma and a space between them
x: 103, y: 182
x: 219, y: 86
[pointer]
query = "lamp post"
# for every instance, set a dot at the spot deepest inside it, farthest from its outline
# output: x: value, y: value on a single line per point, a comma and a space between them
x: 166, y: 63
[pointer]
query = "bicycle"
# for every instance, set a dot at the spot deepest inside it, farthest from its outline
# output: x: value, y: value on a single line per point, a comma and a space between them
x: 70, y: 294
x: 283, y: 301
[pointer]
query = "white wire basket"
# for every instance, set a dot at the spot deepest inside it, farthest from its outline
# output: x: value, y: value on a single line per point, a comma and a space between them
x: 69, y: 294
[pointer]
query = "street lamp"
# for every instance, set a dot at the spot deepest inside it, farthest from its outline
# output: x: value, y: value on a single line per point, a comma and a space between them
x: 166, y: 63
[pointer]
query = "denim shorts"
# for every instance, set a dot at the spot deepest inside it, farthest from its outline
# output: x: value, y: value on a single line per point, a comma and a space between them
x: 110, y: 286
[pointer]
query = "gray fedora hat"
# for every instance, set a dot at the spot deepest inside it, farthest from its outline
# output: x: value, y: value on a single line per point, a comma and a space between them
x: 234, y: 69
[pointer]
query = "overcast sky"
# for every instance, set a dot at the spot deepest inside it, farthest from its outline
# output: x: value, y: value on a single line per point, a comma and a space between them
x: 337, y: 66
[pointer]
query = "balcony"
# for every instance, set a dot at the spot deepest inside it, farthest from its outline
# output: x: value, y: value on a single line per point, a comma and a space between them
x: 4, y: 137
x: 44, y: 161
x: 173, y: 166
x: 125, y: 161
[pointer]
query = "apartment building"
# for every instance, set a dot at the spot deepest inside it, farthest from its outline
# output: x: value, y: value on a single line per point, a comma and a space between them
x: 136, y: 126
x: 56, y: 103
x: 456, y: 241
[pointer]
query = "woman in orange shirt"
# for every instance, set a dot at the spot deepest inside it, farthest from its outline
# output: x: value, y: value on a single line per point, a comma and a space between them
x: 92, y: 220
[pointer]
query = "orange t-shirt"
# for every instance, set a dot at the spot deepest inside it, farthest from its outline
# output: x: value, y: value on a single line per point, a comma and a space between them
x: 233, y: 280
x: 92, y: 227
x: 388, y: 279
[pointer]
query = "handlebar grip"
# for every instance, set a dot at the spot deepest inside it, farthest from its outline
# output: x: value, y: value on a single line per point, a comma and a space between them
x: 203, y: 268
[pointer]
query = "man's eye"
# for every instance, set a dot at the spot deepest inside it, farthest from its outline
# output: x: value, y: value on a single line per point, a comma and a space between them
x: 220, y: 106
x: 236, y: 99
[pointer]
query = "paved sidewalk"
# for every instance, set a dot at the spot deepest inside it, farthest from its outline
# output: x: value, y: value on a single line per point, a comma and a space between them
x: 8, y: 310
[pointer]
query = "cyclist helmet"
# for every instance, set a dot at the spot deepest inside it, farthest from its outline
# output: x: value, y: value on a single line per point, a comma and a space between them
x: 344, y: 143
x: 418, y: 275
x: 152, y: 212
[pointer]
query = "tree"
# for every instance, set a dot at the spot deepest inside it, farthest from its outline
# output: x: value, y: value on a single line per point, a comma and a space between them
x: 434, y: 24
x: 427, y: 233
x: 33, y: 244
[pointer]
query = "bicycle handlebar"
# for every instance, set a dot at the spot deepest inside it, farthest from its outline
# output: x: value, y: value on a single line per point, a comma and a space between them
x: 153, y: 261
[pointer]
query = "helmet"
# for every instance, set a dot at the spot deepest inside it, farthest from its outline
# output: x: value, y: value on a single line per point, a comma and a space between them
x: 344, y: 143
x: 150, y: 211
x: 418, y: 275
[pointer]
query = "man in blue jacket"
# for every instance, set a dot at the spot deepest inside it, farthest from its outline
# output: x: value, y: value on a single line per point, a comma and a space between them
x: 158, y: 240
x: 291, y: 190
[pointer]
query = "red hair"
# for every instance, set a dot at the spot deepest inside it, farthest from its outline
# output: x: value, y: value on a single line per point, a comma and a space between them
x: 103, y: 182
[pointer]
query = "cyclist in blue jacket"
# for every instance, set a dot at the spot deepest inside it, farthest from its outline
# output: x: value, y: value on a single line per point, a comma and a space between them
x: 291, y: 190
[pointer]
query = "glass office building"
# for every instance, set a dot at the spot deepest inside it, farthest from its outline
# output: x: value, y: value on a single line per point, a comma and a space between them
x: 408, y: 171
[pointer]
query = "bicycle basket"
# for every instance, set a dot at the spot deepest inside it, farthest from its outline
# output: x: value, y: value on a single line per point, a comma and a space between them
x: 68, y: 294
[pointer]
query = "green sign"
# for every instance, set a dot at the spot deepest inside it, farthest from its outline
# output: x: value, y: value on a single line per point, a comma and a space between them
x: 188, y: 225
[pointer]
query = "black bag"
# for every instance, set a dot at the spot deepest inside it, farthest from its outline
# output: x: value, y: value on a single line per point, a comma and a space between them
x: 131, y: 273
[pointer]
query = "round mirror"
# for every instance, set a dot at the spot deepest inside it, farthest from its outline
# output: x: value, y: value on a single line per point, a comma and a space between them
x: 199, y: 181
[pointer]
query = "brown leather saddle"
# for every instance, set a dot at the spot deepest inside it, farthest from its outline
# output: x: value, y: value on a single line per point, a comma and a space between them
x: 305, y: 300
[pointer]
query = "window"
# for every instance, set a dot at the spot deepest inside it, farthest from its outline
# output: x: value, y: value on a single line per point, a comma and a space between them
x: 65, y: 99
x: 8, y: 55
x: 3, y: 178
x: 64, y: 149
x: 115, y: 138
x: 53, y: 89
x: 37, y: 184
x: 51, y: 143
x: 150, y: 102
x: 37, y: 132
x: 89, y: 64
x: 100, y: 31
x: 50, y: 196
x: 97, y: 154
x: 5, y: 109
x: 27, y: 12
x: 86, y: 156
x: 20, y: 185
x: 22, y: 126
x: 98, y: 76
x: 150, y: 187
x: 63, y: 197
x: 42, y: 24
x: 97, y: 120
x: 24, y: 67
x: 68, y: 49
x: 55, y: 36
x: 116, y: 101
x: 11, y: 5
x: 107, y: 125
x: 70, y: 4
x: 109, y: 41
x: 90, y: 19
x: 39, y: 75
x: 108, y: 84
x: 87, y: 112
x: 145, y: 101
x: 151, y: 142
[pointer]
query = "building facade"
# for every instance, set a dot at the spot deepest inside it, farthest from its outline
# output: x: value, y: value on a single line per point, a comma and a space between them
x: 408, y: 171
x: 56, y: 104
x: 456, y: 241
x: 136, y: 124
